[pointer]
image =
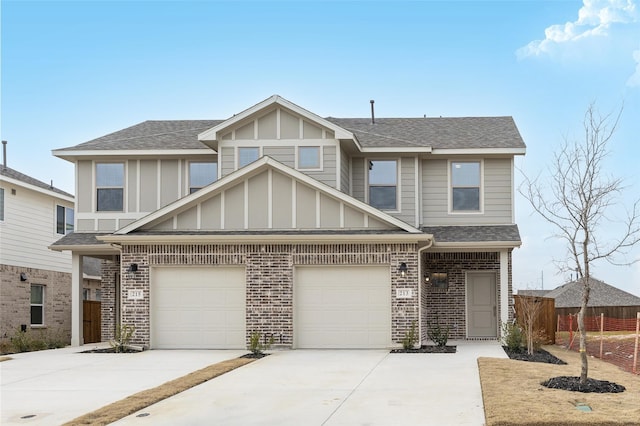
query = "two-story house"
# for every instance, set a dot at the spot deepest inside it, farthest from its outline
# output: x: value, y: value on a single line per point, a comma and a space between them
x: 35, y: 282
x: 322, y: 232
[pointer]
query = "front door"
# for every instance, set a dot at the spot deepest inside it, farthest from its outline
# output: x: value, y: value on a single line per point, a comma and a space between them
x: 481, y: 305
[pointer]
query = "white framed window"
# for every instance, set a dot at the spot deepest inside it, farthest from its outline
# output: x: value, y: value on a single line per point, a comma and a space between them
x: 64, y: 220
x: 383, y: 184
x: 110, y: 187
x: 247, y: 155
x: 309, y: 158
x: 466, y: 186
x: 201, y: 174
x: 86, y: 294
x: 37, y: 304
x: 1, y: 204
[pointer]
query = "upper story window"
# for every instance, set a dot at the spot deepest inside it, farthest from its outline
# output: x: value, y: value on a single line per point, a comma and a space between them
x: 1, y: 204
x: 465, y: 186
x: 64, y: 220
x: 110, y: 187
x: 309, y: 157
x: 247, y: 155
x: 37, y: 304
x: 383, y: 184
x: 201, y: 174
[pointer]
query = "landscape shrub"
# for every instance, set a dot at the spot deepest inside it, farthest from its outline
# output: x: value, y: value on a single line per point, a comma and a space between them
x: 122, y: 338
x: 512, y: 336
x: 410, y: 337
x: 437, y: 333
x: 257, y: 345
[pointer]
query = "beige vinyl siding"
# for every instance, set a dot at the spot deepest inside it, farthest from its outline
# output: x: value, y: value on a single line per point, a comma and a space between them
x: 407, y: 188
x: 258, y: 197
x: 353, y: 218
x: 496, y: 189
x: 210, y: 213
x: 358, y: 174
x: 267, y: 126
x: 306, y: 207
x: 169, y: 182
x: 309, y: 131
x: 188, y: 220
x: 245, y: 132
x: 131, y: 184
x: 329, y: 212
x: 282, y: 201
x: 106, y: 225
x: 328, y: 173
x: 284, y: 154
x: 344, y: 173
x: 29, y: 228
x: 148, y: 185
x: 234, y: 207
x: 85, y: 225
x: 289, y: 125
x: 227, y: 160
x: 85, y: 186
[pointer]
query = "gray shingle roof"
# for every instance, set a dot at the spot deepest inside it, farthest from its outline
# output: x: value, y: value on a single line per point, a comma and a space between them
x: 465, y: 132
x: 14, y: 174
x: 447, y: 132
x: 474, y: 234
x: 165, y: 134
x: 91, y: 266
x: 537, y: 293
x: 80, y: 239
x: 601, y: 294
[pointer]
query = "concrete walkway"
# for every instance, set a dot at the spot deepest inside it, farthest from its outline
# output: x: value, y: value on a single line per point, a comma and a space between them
x: 310, y: 387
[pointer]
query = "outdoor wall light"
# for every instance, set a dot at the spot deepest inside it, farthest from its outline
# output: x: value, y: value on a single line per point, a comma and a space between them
x: 133, y: 267
x: 23, y: 276
x: 427, y: 278
x: 402, y: 269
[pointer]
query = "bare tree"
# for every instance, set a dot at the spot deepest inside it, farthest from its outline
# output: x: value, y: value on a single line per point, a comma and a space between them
x: 530, y: 307
x: 579, y: 198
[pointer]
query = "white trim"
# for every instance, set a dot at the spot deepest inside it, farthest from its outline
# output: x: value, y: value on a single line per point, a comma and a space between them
x: 420, y: 189
x: 246, y: 204
x: 37, y: 188
x: 351, y: 176
x: 294, y: 203
x: 450, y: 189
x: 416, y: 164
x: 278, y: 132
x: 175, y: 222
x: 270, y: 199
x: 513, y: 199
x: 222, y: 207
x: 504, y: 287
x: 199, y: 216
x: 70, y: 155
x: 318, y: 209
x: 341, y: 215
x: 478, y: 244
x: 320, y: 158
x: 479, y: 151
x: 138, y: 186
x: 255, y: 168
x: 159, y: 183
x: 397, y: 150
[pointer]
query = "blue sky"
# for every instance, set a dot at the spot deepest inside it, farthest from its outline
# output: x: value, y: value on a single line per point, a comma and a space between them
x: 73, y: 71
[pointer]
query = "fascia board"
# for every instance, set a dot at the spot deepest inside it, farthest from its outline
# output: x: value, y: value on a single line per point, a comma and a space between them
x: 70, y: 155
x: 479, y: 151
x: 212, y: 134
x: 25, y: 185
x: 478, y: 244
x: 101, y: 249
x: 270, y: 238
x: 400, y: 150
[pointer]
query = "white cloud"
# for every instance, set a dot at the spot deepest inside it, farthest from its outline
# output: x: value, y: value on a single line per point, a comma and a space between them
x: 596, y: 23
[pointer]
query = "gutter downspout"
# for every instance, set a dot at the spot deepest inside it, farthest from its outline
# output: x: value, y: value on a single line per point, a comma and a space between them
x: 420, y: 250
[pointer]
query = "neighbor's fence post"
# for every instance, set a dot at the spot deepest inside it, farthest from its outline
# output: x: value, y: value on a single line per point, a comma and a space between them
x: 601, y: 332
x: 635, y: 351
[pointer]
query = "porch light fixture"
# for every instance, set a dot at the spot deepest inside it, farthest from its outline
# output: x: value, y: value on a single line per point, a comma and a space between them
x: 427, y: 278
x: 133, y: 268
x: 403, y: 269
x: 23, y: 276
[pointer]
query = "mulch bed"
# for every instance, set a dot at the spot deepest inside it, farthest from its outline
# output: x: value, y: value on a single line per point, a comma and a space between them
x: 539, y: 355
x: 110, y: 351
x: 254, y: 356
x: 568, y: 383
x: 427, y: 349
x: 592, y: 385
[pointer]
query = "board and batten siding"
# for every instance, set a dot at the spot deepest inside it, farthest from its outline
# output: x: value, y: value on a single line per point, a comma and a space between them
x: 29, y: 227
x: 344, y: 172
x: 358, y: 178
x: 497, y: 194
x: 407, y: 188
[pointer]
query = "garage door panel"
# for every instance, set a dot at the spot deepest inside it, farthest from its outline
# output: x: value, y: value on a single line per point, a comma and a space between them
x: 342, y: 307
x: 198, y: 308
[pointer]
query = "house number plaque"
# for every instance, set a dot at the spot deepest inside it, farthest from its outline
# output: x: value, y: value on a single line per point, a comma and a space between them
x: 404, y: 293
x: 135, y: 295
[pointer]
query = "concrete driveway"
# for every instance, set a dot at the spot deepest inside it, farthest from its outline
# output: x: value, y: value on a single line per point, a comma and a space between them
x: 311, y: 387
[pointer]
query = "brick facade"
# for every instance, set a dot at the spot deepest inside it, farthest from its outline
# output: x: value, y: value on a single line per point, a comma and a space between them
x: 15, y: 300
x: 448, y: 306
x: 269, y: 277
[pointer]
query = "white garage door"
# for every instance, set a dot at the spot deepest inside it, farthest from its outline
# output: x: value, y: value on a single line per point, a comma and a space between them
x: 198, y: 308
x: 342, y: 307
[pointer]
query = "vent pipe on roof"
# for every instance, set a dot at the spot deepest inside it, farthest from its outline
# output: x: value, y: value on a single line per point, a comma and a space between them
x: 373, y: 117
x: 4, y: 154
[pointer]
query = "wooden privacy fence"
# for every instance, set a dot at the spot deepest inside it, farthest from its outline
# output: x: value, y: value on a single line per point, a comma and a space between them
x: 91, y: 318
x: 620, y: 312
x: 545, y: 320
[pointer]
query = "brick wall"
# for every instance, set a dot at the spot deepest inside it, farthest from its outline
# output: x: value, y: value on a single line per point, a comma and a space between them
x: 269, y: 273
x: 448, y: 306
x: 110, y: 271
x: 15, y: 300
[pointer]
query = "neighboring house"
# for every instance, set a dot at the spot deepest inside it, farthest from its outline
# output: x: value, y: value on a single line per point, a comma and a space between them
x: 322, y: 232
x: 601, y: 294
x: 35, y: 289
x: 537, y: 293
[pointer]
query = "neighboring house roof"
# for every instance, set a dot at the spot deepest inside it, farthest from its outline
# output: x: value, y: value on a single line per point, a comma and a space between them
x: 481, y: 234
x: 28, y: 180
x: 537, y: 293
x: 438, y: 133
x: 91, y: 267
x: 601, y: 294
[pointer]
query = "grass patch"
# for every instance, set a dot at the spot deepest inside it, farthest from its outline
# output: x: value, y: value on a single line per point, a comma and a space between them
x: 5, y: 358
x: 513, y: 395
x: 120, y: 409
